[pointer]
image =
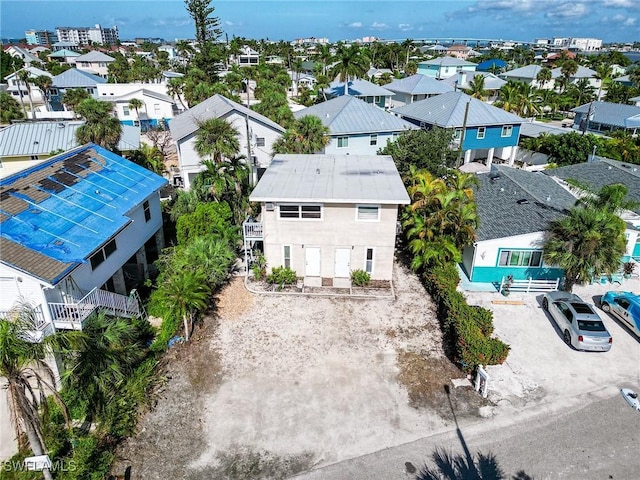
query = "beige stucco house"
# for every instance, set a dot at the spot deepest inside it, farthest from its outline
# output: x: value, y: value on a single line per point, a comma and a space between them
x: 327, y: 215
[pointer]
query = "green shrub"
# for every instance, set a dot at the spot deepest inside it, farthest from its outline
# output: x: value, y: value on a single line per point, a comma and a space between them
x: 360, y: 278
x: 259, y: 268
x: 210, y: 219
x: 467, y: 328
x: 282, y: 276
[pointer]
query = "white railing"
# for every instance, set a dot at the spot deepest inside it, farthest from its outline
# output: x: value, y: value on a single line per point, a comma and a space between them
x: 529, y: 285
x: 253, y: 230
x: 38, y: 316
x: 72, y: 315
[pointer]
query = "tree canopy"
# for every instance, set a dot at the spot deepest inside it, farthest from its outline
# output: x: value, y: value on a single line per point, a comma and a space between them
x: 305, y: 135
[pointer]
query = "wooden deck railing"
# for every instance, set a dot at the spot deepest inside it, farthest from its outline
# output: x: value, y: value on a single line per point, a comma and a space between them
x: 253, y: 231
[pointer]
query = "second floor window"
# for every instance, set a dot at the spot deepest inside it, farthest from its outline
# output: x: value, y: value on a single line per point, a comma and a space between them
x: 507, y: 130
x: 481, y: 133
x: 373, y: 139
x: 343, y: 142
x: 147, y: 211
x: 125, y: 110
x: 309, y: 212
x: 101, y: 255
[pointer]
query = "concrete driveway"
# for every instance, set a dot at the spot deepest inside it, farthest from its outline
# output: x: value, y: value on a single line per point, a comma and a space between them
x: 540, y: 366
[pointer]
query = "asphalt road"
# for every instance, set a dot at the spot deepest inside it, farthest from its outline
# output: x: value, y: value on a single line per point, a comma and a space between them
x: 595, y: 436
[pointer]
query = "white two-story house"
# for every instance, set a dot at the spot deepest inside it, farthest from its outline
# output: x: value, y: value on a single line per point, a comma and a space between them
x: 327, y: 215
x: 77, y: 233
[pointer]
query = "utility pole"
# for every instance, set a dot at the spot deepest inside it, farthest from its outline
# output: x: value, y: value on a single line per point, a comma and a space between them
x: 584, y: 125
x: 462, y: 135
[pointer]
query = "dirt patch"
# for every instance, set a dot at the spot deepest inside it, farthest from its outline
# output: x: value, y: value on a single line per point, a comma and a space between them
x: 277, y: 384
x: 428, y: 383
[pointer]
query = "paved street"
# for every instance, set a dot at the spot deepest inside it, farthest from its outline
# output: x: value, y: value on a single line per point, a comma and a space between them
x: 568, y: 441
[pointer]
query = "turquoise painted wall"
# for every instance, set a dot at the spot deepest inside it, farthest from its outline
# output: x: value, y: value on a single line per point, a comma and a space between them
x: 636, y: 250
x: 492, y: 138
x: 495, y: 274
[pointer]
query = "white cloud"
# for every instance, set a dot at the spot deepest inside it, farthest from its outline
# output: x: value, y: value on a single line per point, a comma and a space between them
x: 355, y: 25
x: 621, y: 3
x: 405, y: 27
x: 568, y: 10
x: 624, y: 20
x: 379, y: 26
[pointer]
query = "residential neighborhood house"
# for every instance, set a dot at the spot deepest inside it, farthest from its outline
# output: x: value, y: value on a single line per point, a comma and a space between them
x: 73, y: 78
x: 606, y: 117
x: 356, y: 127
x: 445, y: 67
x: 257, y: 146
x: 326, y: 215
x: 362, y: 89
x: 94, y: 62
x: 414, y: 88
x: 79, y: 231
x: 484, y: 132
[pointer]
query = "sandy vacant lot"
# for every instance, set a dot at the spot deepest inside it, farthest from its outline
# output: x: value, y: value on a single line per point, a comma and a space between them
x: 279, y: 384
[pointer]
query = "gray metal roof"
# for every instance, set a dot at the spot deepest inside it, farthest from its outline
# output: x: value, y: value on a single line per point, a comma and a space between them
x: 582, y: 72
x: 346, y: 114
x: 528, y: 71
x: 95, y: 56
x: 64, y: 53
x: 74, y: 78
x: 535, y: 129
x: 447, y: 61
x: 33, y: 73
x: 603, y: 172
x: 419, y: 84
x: 491, y: 82
x: 331, y: 179
x: 358, y: 88
x: 42, y: 138
x: 213, y: 107
x: 514, y: 202
x: 609, y: 113
x: 448, y: 111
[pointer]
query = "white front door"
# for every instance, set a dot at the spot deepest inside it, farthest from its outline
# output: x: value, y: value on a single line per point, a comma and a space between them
x: 343, y: 262
x: 312, y: 261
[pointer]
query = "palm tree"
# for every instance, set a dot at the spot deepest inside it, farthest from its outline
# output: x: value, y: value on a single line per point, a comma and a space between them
x: 25, y: 76
x: 544, y: 76
x: 509, y: 97
x: 44, y: 83
x: 9, y: 108
x: 27, y: 376
x: 476, y: 88
x: 175, y: 89
x: 212, y: 255
x: 603, y: 73
x: 218, y: 139
x: 186, y: 292
x: 568, y: 69
x: 150, y: 157
x: 136, y: 104
x: 74, y: 97
x: 306, y: 135
x: 352, y: 63
x: 100, y: 127
x: 323, y: 54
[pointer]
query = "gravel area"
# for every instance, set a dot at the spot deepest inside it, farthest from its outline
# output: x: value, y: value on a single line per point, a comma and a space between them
x: 274, y: 385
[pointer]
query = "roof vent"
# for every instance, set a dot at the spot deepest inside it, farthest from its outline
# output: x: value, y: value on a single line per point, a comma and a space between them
x: 60, y: 125
x: 523, y: 201
x: 317, y: 171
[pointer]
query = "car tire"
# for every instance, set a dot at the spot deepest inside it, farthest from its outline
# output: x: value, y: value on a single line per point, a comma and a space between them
x: 605, y: 306
x: 566, y: 336
x: 545, y: 304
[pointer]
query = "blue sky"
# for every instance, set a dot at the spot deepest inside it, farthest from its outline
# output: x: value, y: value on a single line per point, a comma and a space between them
x: 611, y: 20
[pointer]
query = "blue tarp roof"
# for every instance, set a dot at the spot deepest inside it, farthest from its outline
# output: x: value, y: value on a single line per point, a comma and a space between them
x: 487, y: 65
x: 69, y: 206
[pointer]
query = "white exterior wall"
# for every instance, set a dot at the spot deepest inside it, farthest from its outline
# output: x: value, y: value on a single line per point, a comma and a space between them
x: 15, y: 284
x: 106, y: 90
x: 358, y: 144
x: 487, y: 251
x: 338, y: 228
x: 99, y: 68
x: 190, y: 160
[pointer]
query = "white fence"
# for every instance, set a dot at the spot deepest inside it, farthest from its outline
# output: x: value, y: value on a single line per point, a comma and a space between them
x: 509, y: 285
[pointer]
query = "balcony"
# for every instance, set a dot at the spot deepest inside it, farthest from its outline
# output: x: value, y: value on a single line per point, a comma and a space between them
x: 253, y: 231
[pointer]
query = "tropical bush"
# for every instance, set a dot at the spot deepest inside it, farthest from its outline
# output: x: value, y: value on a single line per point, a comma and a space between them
x: 360, y: 278
x: 467, y: 328
x: 213, y: 219
x: 282, y: 276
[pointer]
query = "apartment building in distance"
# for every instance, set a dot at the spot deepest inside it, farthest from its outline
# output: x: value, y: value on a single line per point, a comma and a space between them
x: 86, y: 35
x: 578, y: 44
x: 40, y: 37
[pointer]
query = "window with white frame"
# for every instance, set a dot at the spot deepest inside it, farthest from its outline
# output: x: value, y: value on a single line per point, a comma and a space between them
x: 507, y: 130
x: 520, y: 258
x: 373, y: 139
x: 125, y: 110
x: 481, y: 133
x: 368, y: 213
x: 147, y: 210
x: 286, y: 256
x: 457, y: 134
x: 306, y: 212
x: 368, y: 261
x: 156, y: 107
x: 53, y: 91
x: 260, y: 142
x: 343, y: 142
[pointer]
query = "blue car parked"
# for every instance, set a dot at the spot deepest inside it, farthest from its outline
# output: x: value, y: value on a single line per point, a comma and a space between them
x: 625, y: 306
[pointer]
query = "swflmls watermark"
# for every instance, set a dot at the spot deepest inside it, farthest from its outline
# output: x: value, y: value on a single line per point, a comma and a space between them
x: 55, y: 466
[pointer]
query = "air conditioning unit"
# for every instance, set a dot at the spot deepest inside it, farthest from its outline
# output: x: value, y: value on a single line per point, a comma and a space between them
x: 270, y: 206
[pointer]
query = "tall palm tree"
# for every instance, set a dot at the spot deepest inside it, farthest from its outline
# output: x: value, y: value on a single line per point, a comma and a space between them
x: 175, y: 89
x: 509, y: 96
x: 27, y: 376
x: 212, y: 255
x: 568, y: 70
x: 136, y: 104
x: 323, y: 54
x: 73, y: 97
x: 44, y: 83
x: 100, y: 126
x: 544, y: 76
x: 352, y: 63
x: 217, y: 139
x: 24, y: 76
x: 603, y: 73
x: 186, y: 293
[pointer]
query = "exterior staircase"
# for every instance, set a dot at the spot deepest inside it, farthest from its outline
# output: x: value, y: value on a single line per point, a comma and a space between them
x: 70, y: 316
